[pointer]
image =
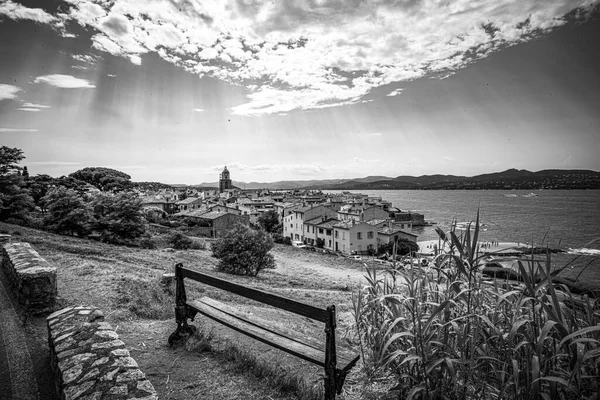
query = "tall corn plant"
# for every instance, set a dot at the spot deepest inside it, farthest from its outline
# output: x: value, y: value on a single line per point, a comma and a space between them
x: 444, y: 332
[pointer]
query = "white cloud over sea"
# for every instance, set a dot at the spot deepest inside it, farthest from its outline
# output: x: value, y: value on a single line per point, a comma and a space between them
x: 306, y: 54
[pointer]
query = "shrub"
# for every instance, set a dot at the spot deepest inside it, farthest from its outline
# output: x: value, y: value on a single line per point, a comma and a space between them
x: 244, y: 251
x: 320, y: 243
x: 446, y: 333
x: 287, y: 240
x: 147, y: 243
x: 198, y: 245
x: 277, y: 237
x: 180, y: 242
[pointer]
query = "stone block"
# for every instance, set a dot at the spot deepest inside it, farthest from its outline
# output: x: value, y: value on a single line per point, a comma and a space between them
x: 90, y: 361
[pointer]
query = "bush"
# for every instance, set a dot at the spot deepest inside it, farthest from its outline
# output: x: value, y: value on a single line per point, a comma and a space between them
x: 180, y: 242
x: 244, y: 251
x: 445, y: 333
x: 277, y: 237
x: 287, y: 240
x: 198, y: 245
x: 320, y: 243
x: 147, y: 243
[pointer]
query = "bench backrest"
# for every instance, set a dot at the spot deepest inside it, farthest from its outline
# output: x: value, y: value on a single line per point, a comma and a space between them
x: 271, y: 299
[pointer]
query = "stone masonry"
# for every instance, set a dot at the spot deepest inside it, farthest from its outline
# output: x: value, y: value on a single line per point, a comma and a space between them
x: 32, y: 277
x: 89, y: 360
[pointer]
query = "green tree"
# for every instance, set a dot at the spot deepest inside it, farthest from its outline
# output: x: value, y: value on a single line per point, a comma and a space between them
x: 119, y: 217
x: 68, y: 212
x: 105, y: 179
x: 15, y: 201
x: 269, y: 221
x: 243, y: 251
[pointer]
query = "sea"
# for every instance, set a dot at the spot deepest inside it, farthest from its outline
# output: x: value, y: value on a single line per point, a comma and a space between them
x: 562, y: 219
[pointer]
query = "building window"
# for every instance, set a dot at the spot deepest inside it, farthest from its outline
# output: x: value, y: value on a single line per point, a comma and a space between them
x: 320, y: 231
x: 337, y: 234
x: 359, y: 235
x: 330, y: 243
x: 328, y: 233
x: 292, y: 226
x: 369, y: 235
x: 343, y: 235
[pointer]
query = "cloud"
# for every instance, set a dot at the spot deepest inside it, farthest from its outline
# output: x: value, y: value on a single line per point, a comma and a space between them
x: 65, y: 81
x: 313, y: 55
x: 33, y: 105
x: 54, y: 163
x: 8, y: 91
x: 111, y: 75
x: 18, y: 130
x: 16, y: 11
x: 394, y: 92
x: 28, y: 109
x: 198, y: 110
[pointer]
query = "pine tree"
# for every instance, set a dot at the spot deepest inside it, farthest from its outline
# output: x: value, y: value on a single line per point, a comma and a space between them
x: 68, y: 212
x: 15, y: 201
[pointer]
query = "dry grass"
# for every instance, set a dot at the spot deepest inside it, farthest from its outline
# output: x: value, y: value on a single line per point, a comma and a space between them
x: 123, y: 281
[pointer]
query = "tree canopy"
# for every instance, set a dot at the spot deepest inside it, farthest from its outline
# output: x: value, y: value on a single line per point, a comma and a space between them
x: 105, y: 179
x: 119, y: 217
x: 68, y: 212
x: 269, y: 221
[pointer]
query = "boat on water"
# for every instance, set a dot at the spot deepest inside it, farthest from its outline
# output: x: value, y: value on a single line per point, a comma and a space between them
x: 510, y: 195
x: 530, y: 195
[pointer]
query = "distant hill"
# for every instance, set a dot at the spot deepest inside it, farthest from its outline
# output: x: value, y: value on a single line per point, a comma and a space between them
x: 505, y: 180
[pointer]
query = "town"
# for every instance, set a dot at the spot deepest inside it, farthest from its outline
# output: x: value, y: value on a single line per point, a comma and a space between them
x: 348, y: 223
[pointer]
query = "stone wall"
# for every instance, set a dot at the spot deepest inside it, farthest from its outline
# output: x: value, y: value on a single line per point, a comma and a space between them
x: 32, y: 277
x: 89, y: 360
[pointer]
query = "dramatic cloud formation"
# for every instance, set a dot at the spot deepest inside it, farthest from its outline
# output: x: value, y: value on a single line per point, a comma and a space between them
x: 8, y: 91
x: 64, y: 81
x: 308, y: 54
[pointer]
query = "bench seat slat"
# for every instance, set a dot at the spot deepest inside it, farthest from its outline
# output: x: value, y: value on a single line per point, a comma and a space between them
x: 282, y: 343
x: 344, y: 357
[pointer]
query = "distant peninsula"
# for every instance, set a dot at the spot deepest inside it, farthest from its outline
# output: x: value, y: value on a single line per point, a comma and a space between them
x: 507, y: 180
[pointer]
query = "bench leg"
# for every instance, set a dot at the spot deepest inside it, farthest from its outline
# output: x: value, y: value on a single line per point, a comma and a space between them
x: 330, y: 356
x: 184, y: 330
x: 182, y: 311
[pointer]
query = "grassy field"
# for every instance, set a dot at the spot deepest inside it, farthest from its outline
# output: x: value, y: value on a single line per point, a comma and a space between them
x: 124, y: 282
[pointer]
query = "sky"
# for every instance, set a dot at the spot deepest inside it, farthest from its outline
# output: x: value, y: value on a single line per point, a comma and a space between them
x: 174, y: 90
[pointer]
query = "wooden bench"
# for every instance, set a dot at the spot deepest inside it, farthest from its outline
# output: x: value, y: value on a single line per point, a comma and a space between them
x: 336, y: 364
